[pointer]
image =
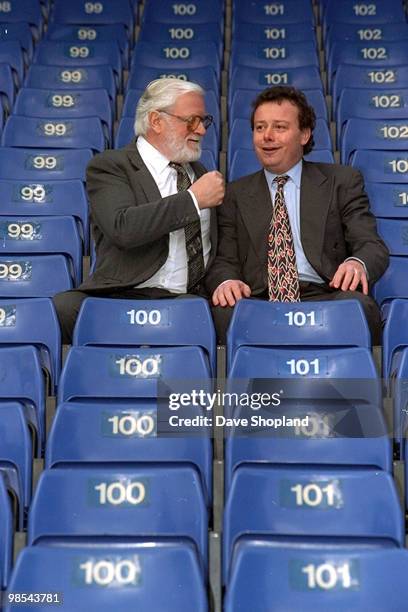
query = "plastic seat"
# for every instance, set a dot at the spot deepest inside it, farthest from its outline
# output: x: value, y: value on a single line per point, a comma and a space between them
x: 393, y: 283
x: 43, y: 164
x: 147, y: 323
x: 150, y: 575
x: 311, y: 577
x: 378, y: 12
x: 330, y: 504
x: 395, y: 334
x: 380, y: 77
x: 381, y: 166
x: 23, y: 237
x: 301, y: 325
x: 7, y: 87
x: 257, y: 32
x: 327, y: 434
x: 378, y: 134
x: 394, y: 232
x: 241, y: 103
x: 24, y: 198
x: 288, y: 11
x: 72, y: 78
x: 33, y: 321
x: 6, y: 536
x: 12, y: 54
x: 25, y: 276
x: 16, y: 456
x: 277, y: 56
x: 208, y: 160
x: 176, y: 31
x: 180, y: 56
x: 65, y: 104
x: 140, y: 76
x: 120, y: 502
x: 21, y: 33
x: 398, y: 387
x: 71, y: 56
x: 387, y: 200
x: 77, y: 133
x: 245, y: 161
x: 23, y: 381
x: 101, y: 434
x: 246, y: 77
x: 165, y: 11
x: 24, y: 10
x: 365, y: 33
x: 105, y: 13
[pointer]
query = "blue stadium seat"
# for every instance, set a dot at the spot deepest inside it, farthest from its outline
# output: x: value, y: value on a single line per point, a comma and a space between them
x: 21, y: 33
x: 140, y: 76
x: 48, y: 197
x: 291, y: 504
x: 23, y: 10
x: 23, y: 381
x: 120, y: 502
x: 86, y: 54
x: 33, y: 321
x: 25, y: 276
x: 388, y: 54
x: 240, y: 137
x: 149, y: 576
x: 246, y: 77
x: 101, y: 13
x: 16, y: 456
x: 46, y: 235
x: 6, y: 536
x: 316, y: 577
x: 394, y: 232
x: 7, y: 87
x: 208, y: 160
x: 377, y: 134
x: 277, y: 31
x: 395, y: 335
x: 328, y: 434
x: 65, y: 104
x: 12, y: 54
x: 241, y: 107
x: 393, y: 283
x: 288, y: 11
x: 147, y: 323
x: 72, y: 78
x: 176, y: 31
x: 77, y: 133
x: 35, y: 165
x: 115, y: 372
x: 381, y: 166
x: 179, y: 56
x: 301, y: 325
x: 278, y: 56
x: 348, y: 32
x: 363, y: 15
x: 165, y: 11
x: 380, y: 77
x: 387, y: 199
x: 398, y: 388
x: 244, y: 161
x: 83, y: 434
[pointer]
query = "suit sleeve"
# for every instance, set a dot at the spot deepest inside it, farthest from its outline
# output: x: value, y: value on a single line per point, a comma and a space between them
x: 126, y: 221
x: 360, y: 229
x: 226, y: 265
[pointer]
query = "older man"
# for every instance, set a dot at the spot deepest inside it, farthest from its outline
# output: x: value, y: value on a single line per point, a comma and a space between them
x: 152, y: 205
x: 295, y: 230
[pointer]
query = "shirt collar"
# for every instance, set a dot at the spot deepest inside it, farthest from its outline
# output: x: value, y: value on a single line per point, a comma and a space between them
x: 152, y: 156
x: 294, y: 173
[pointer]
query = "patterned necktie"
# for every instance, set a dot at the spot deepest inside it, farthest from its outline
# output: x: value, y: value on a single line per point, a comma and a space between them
x: 283, y: 278
x: 192, y: 232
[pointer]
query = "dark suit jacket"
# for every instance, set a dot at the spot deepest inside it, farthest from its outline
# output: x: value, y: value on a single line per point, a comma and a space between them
x: 335, y: 223
x: 131, y: 221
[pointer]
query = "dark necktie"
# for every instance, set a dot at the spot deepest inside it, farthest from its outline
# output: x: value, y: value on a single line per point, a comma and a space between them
x: 192, y: 232
x: 283, y: 278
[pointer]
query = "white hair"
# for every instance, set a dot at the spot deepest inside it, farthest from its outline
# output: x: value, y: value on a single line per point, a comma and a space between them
x: 160, y: 94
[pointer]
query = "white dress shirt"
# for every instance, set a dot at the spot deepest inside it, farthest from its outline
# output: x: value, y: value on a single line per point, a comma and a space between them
x: 173, y: 274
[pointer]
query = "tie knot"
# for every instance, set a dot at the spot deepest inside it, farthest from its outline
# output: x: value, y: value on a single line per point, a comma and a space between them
x: 281, y: 180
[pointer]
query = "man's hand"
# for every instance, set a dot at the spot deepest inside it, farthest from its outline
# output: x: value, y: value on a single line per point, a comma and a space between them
x: 209, y: 189
x: 228, y: 293
x: 349, y: 276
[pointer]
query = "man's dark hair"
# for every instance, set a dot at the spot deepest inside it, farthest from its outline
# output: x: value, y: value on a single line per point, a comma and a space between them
x: 307, y: 116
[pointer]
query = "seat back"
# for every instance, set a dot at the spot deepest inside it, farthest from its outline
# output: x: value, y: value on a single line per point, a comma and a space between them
x: 43, y: 164
x: 23, y: 276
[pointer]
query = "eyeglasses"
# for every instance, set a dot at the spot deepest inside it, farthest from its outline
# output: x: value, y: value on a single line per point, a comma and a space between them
x: 194, y: 121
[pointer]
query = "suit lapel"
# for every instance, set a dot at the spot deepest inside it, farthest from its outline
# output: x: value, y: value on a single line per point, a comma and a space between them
x: 255, y: 205
x: 144, y: 177
x: 315, y: 198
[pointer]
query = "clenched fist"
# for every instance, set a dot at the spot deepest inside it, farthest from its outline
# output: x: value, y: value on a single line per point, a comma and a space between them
x: 209, y: 189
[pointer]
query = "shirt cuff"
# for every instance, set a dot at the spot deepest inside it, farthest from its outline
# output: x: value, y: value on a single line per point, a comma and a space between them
x: 362, y: 263
x: 195, y: 201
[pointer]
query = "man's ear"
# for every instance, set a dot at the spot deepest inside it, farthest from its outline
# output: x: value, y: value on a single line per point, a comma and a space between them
x: 306, y: 133
x: 155, y: 121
